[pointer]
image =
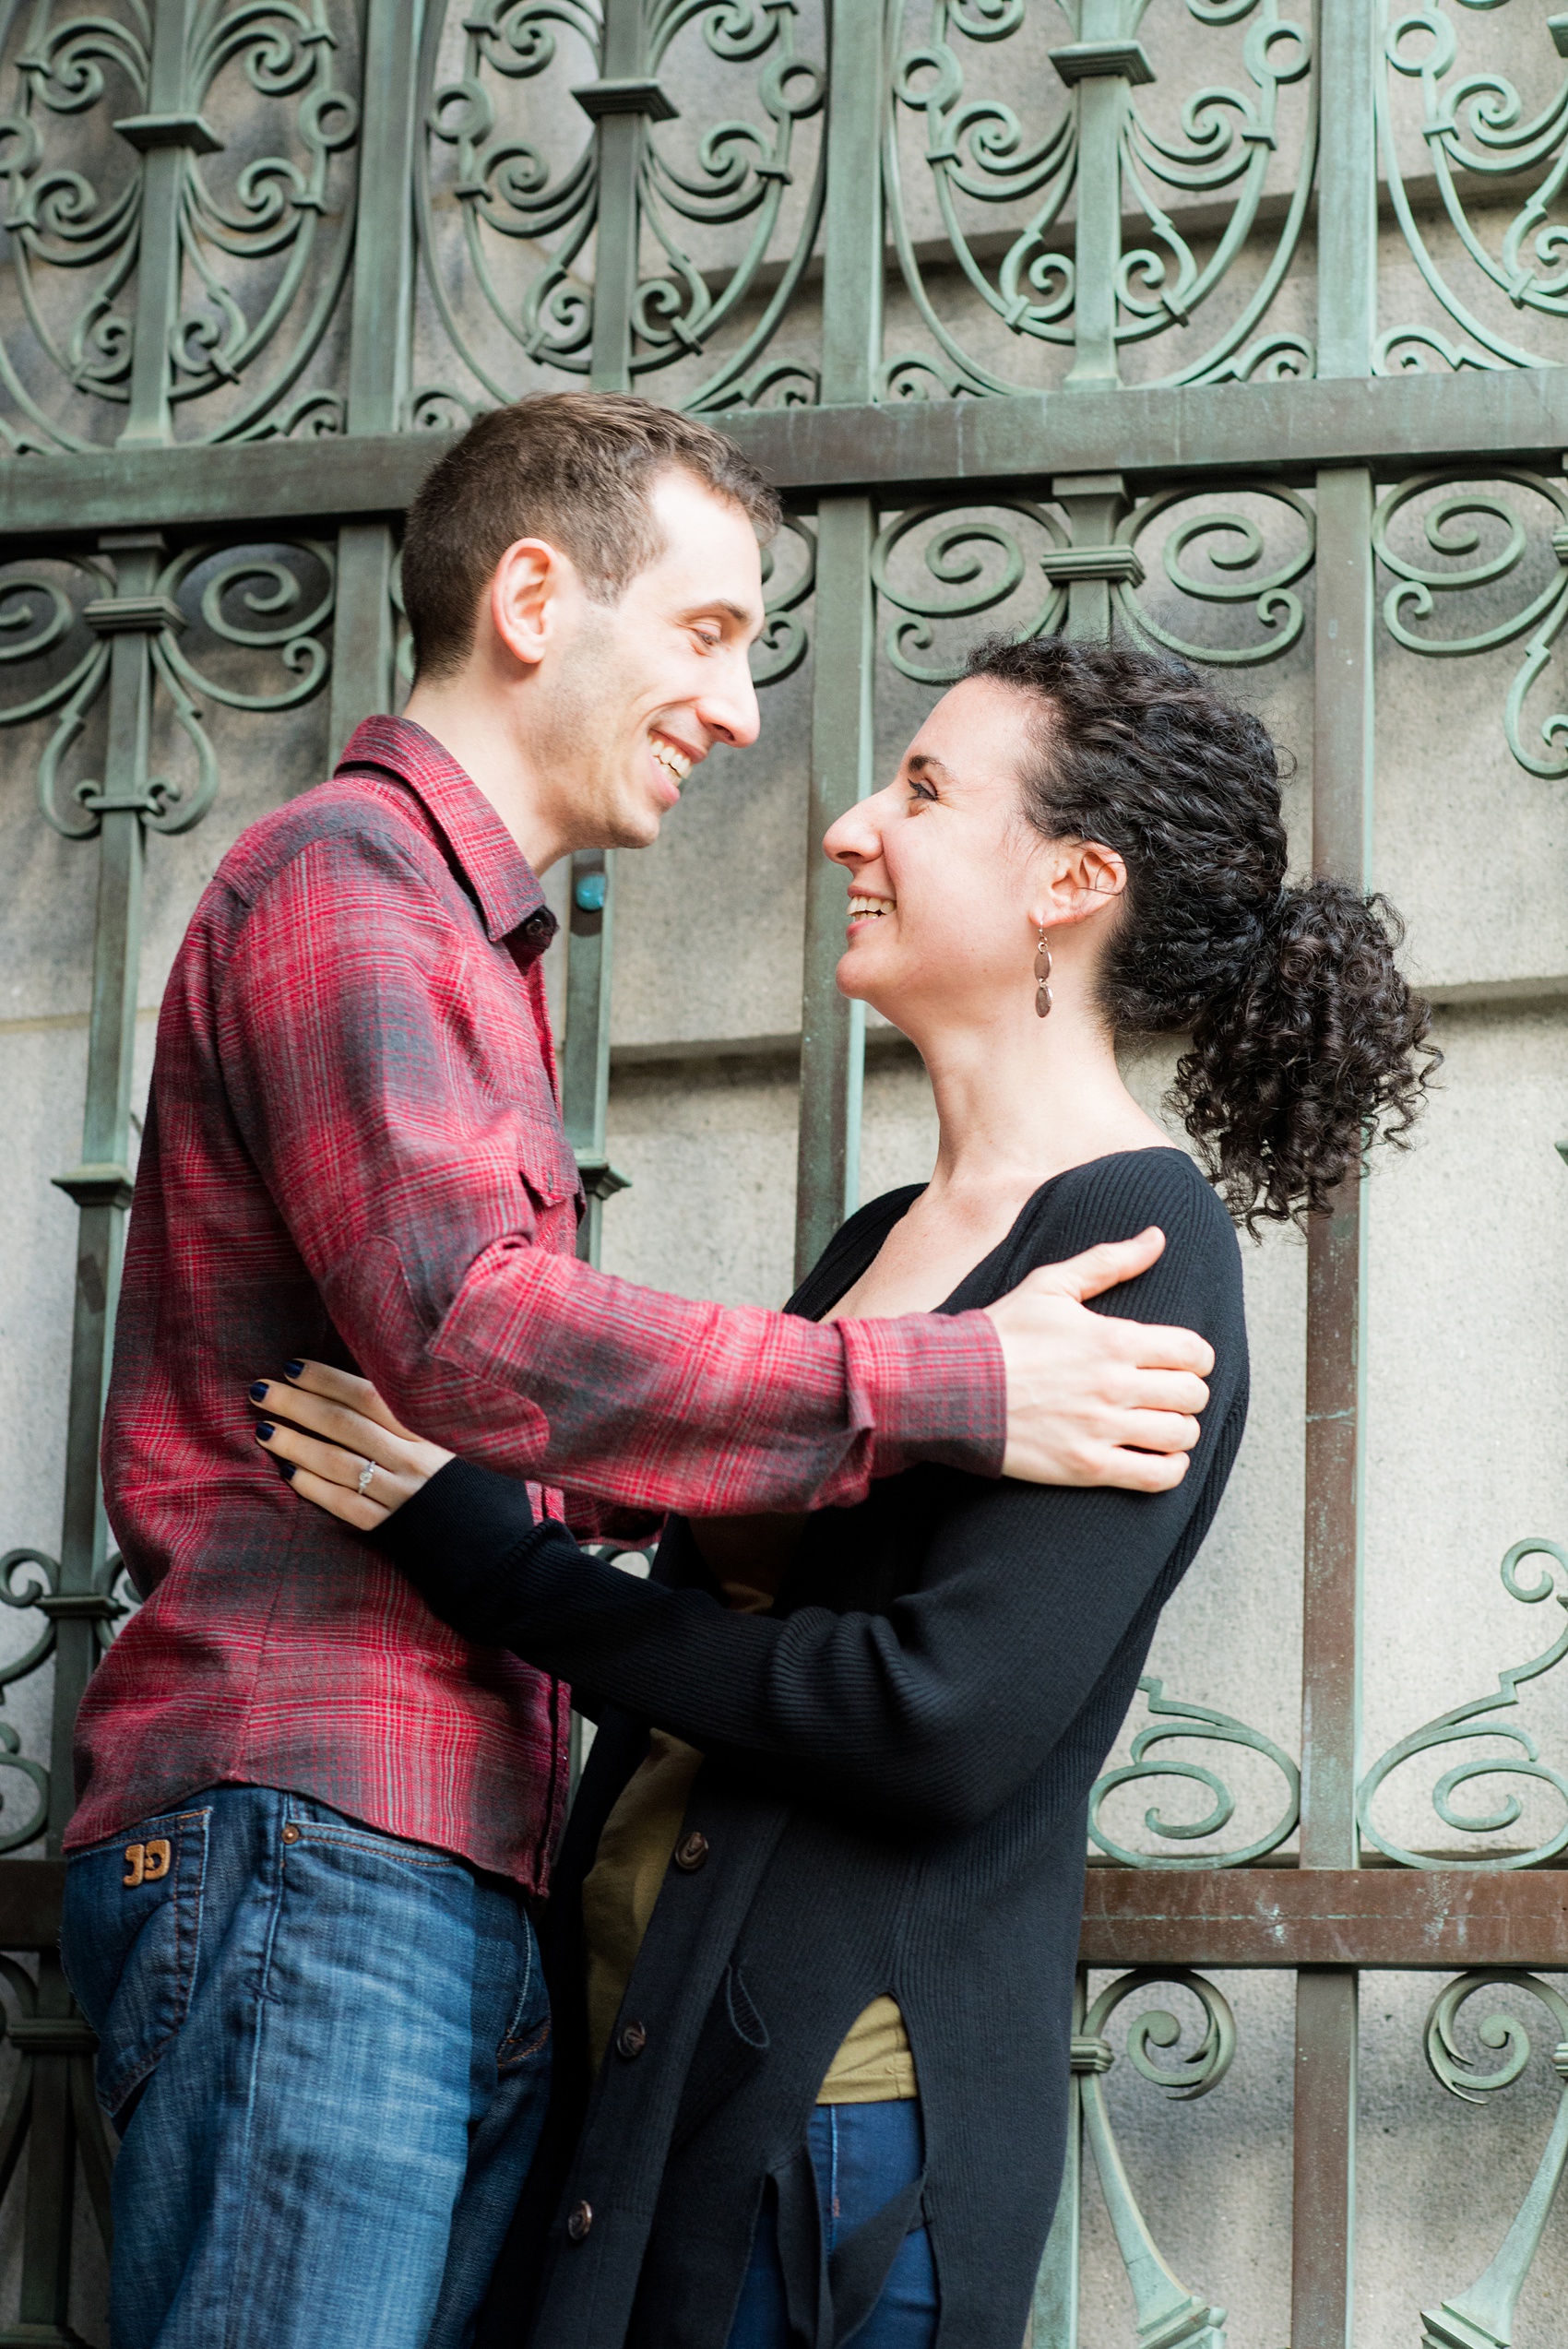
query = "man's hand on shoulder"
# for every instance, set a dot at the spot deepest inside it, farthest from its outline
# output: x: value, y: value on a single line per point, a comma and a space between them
x: 1092, y: 1400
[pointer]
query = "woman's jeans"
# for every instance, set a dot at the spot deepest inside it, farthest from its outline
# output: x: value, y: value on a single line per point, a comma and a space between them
x: 863, y: 2154
x: 327, y: 2053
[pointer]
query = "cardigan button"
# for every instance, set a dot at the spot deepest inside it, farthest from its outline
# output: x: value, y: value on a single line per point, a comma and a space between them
x: 691, y: 1852
x: 630, y: 2040
x: 579, y: 2221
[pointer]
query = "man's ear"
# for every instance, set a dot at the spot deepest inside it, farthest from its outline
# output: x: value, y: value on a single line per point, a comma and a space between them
x: 1086, y: 878
x: 526, y: 590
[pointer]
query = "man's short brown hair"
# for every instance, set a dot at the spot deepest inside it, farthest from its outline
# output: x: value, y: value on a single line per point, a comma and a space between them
x: 576, y: 468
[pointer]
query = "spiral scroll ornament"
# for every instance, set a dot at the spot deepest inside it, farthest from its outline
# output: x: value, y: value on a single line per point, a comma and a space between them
x: 782, y: 646
x: 1176, y: 1721
x: 262, y: 216
x: 1482, y: 2317
x: 1256, y: 560
x: 29, y: 1585
x: 726, y: 216
x: 977, y: 563
x: 1479, y: 1718
x: 979, y: 155
x: 1490, y: 270
x: 1166, y: 2309
x: 1482, y: 539
x: 273, y: 603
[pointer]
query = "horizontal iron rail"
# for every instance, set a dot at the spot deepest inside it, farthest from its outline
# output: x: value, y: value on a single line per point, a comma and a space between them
x: 1399, y: 1919
x: 1394, y: 1919
x: 908, y: 451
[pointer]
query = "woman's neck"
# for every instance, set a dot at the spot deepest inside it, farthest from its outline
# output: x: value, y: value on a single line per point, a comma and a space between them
x: 1019, y: 1099
x: 1016, y: 1104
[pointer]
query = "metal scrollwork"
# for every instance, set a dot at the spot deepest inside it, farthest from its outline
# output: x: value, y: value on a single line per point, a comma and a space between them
x: 1244, y: 567
x: 1477, y: 135
x: 782, y: 645
x: 978, y: 565
x: 26, y: 1576
x: 1179, y: 1721
x: 527, y: 184
x: 1478, y: 1719
x: 979, y: 152
x: 1453, y: 529
x: 1166, y: 2309
x: 251, y: 600
x: 261, y: 239
x: 1482, y: 2317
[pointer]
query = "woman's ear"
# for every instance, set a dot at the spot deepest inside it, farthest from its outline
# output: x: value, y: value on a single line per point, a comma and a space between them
x: 1085, y: 878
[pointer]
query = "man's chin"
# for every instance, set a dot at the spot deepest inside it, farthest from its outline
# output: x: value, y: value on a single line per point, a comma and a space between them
x: 637, y: 827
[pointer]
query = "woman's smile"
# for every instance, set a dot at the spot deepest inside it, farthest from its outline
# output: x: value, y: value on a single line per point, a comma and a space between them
x: 864, y: 906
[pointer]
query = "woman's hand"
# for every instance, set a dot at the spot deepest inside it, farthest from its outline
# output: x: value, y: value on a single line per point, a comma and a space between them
x: 353, y: 1458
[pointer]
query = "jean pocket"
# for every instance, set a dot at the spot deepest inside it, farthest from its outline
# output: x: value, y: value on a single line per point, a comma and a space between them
x: 526, y: 2037
x: 129, y: 1939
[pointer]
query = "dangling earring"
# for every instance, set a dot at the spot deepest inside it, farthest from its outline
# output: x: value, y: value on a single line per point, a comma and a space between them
x: 1043, y: 975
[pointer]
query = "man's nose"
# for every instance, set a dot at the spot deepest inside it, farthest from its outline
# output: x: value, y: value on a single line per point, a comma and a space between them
x: 729, y: 709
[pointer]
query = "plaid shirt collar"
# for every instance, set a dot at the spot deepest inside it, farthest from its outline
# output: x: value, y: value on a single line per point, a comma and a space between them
x: 504, y: 882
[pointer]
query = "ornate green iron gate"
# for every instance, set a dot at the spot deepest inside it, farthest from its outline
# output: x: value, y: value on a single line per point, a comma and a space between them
x: 1019, y: 304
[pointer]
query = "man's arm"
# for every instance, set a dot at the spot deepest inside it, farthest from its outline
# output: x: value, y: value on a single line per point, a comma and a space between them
x: 406, y: 1186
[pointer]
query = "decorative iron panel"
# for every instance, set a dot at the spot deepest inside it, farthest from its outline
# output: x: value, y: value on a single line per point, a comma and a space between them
x: 1046, y: 314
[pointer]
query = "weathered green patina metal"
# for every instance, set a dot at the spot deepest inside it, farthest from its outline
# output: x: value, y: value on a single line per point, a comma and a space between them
x: 297, y: 259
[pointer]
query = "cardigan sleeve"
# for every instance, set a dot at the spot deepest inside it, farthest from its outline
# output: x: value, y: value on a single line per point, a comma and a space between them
x: 931, y: 1714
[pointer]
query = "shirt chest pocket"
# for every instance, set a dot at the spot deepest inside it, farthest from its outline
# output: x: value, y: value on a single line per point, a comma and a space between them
x: 546, y: 1163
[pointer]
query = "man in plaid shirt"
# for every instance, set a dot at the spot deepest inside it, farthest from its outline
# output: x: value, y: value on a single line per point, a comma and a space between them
x: 310, y: 1815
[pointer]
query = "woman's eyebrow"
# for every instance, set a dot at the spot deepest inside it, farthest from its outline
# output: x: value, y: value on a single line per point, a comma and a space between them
x: 924, y: 763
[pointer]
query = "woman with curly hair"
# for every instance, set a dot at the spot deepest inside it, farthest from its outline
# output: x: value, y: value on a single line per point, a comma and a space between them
x: 815, y: 1915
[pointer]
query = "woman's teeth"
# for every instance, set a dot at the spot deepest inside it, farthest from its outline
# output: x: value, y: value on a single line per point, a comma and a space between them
x: 676, y: 760
x: 861, y: 909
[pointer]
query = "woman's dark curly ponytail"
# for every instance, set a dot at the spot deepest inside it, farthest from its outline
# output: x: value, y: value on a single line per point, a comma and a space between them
x: 1307, y: 1042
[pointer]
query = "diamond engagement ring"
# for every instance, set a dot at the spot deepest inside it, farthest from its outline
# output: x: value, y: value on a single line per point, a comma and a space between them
x: 365, y: 1475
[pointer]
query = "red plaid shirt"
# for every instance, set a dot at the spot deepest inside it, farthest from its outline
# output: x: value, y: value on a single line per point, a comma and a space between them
x: 354, y: 1151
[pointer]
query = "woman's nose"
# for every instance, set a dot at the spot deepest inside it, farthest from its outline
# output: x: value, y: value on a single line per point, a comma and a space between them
x: 855, y: 837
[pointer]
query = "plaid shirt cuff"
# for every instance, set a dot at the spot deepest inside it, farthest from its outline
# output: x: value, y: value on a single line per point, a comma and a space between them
x: 933, y: 1388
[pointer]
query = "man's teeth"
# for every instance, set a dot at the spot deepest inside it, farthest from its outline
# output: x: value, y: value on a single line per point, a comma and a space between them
x: 860, y: 907
x: 677, y: 761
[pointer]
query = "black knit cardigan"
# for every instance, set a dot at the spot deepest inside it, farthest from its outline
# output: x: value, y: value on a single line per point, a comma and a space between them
x: 894, y: 1800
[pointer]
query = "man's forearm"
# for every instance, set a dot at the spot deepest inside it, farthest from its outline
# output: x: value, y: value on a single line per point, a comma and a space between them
x: 544, y: 1368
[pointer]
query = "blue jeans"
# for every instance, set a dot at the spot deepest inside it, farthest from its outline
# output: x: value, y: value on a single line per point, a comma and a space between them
x: 862, y: 2155
x: 327, y: 2052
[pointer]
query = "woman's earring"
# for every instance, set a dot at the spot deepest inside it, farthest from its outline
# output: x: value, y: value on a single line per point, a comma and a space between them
x: 1042, y: 975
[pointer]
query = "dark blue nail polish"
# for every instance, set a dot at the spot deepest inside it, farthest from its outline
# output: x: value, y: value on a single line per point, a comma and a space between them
x: 292, y: 1370
x: 266, y: 1431
x: 288, y: 1468
x: 258, y: 1392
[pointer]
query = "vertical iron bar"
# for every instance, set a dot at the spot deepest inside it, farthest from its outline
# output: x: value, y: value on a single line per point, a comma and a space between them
x: 585, y: 1069
x: 620, y: 167
x: 585, y: 1060
x: 166, y: 145
x: 842, y: 745
x: 102, y: 1189
x: 1102, y: 106
x: 1323, y: 2294
x: 382, y: 298
x: 1053, y: 2315
x: 1094, y: 504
